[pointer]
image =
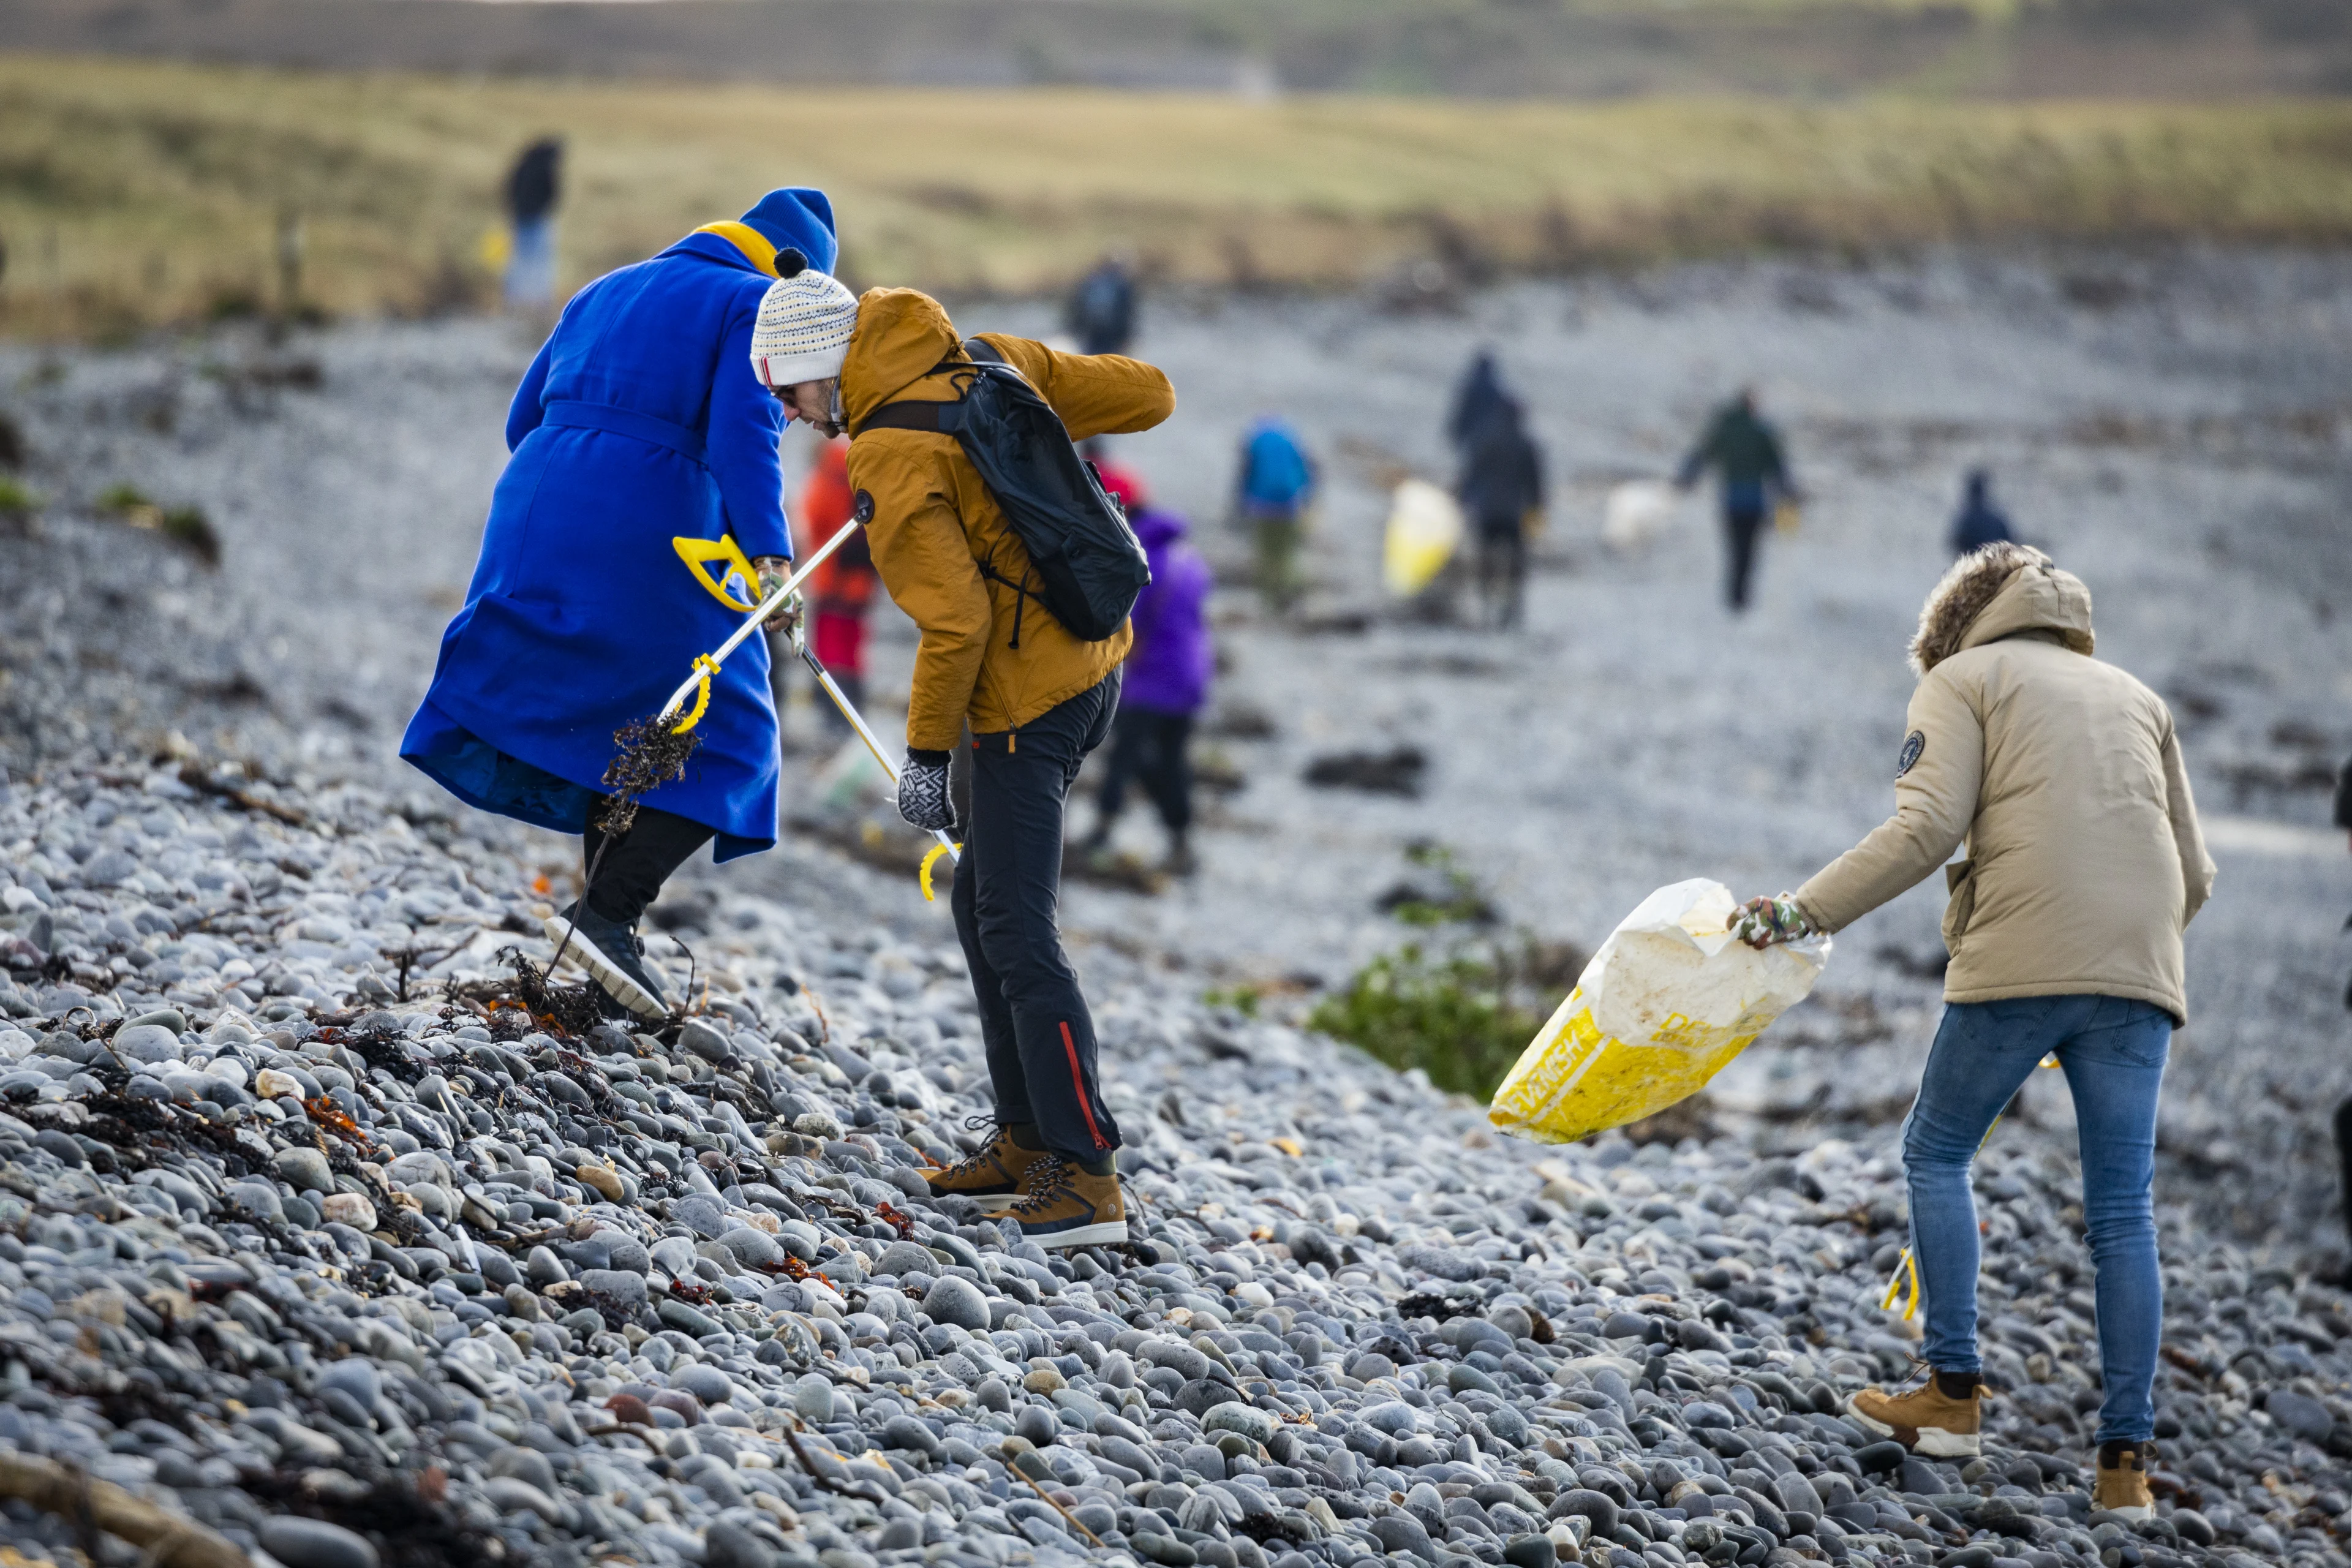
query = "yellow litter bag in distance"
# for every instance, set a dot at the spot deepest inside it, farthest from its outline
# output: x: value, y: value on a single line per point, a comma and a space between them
x: 1424, y: 529
x: 1670, y: 997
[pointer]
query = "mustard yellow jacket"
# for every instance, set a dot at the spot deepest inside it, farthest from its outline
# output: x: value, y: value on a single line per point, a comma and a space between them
x: 934, y: 523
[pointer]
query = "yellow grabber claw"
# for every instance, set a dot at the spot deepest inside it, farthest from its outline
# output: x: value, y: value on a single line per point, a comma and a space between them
x: 698, y: 555
x: 1906, y: 1267
x: 931, y: 860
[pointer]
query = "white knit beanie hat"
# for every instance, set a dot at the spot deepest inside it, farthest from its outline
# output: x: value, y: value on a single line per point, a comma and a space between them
x: 803, y: 333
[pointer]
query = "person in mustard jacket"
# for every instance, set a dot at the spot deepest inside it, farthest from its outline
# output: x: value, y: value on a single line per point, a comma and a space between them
x: 1036, y: 700
x: 2064, y: 778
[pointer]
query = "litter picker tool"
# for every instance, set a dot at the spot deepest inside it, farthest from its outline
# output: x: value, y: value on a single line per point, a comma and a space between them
x: 655, y: 751
x: 1906, y: 1267
x: 944, y: 845
x: 699, y: 554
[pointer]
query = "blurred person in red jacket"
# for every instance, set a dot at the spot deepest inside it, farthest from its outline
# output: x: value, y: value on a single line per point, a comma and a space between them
x: 841, y: 589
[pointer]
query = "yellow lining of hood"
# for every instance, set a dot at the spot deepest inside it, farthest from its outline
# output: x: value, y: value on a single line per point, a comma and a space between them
x: 756, y: 248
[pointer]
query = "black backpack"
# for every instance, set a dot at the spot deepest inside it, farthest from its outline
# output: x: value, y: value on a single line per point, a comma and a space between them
x: 1089, y: 565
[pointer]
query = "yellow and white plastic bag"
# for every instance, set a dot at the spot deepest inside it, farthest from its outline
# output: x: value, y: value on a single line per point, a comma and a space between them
x: 1424, y: 529
x: 1665, y: 1005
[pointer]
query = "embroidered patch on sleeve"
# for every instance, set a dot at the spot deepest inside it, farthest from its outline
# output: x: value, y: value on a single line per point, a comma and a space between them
x: 1913, y: 745
x: 862, y: 508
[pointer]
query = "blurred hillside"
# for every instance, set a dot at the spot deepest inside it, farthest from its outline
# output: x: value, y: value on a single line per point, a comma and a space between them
x: 135, y: 192
x: 1576, y: 48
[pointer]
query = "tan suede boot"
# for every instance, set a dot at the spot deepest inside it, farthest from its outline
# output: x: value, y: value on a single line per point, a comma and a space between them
x: 1941, y: 1418
x: 2123, y: 1480
x: 1062, y: 1205
x: 998, y: 1167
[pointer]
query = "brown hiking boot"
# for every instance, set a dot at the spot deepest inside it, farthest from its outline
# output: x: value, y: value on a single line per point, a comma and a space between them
x: 1942, y: 1417
x: 999, y: 1167
x: 2123, y: 1480
x: 1061, y: 1205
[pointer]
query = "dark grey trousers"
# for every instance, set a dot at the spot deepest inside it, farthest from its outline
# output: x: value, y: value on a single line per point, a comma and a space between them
x: 1033, y: 1021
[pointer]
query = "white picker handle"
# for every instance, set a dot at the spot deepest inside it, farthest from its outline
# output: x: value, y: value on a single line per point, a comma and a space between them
x: 857, y: 722
x: 768, y: 606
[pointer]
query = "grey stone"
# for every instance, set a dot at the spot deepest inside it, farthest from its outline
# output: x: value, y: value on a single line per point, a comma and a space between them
x: 685, y: 1319
x: 702, y: 1214
x: 2300, y: 1413
x: 623, y: 1285
x: 904, y: 1258
x: 356, y: 1376
x: 727, y: 1544
x: 304, y: 1169
x: 301, y: 1542
x: 956, y: 1300
x: 1251, y: 1422
x: 258, y: 1198
x: 907, y: 1432
x: 752, y: 1247
x: 527, y: 1465
x: 707, y: 1384
x: 145, y: 1042
x: 704, y: 1041
x: 812, y: 1399
x: 1402, y: 1533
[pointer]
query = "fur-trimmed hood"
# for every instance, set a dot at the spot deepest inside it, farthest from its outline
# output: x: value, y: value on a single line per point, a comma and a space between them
x: 2004, y: 590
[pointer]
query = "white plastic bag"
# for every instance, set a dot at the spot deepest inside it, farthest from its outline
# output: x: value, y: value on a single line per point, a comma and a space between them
x: 1665, y: 1005
x: 1636, y: 512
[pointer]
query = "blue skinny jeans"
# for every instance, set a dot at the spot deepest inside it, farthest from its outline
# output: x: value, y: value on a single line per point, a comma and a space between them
x: 2112, y: 1050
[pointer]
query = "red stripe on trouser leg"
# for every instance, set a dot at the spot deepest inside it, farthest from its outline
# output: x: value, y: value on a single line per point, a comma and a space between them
x: 1078, y: 1081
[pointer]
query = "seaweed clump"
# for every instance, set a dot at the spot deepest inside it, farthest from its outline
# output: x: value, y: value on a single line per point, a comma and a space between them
x: 652, y: 752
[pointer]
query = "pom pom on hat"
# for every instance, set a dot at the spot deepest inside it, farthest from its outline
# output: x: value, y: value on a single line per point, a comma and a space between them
x: 805, y: 325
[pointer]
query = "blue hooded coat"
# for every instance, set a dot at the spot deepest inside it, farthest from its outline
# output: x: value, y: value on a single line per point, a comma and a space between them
x: 640, y: 419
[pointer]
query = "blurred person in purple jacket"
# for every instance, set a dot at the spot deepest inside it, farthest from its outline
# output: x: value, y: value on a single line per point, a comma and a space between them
x: 1166, y: 678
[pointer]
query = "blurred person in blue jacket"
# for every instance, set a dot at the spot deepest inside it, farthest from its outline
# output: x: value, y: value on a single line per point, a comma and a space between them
x: 1273, y: 490
x: 642, y: 418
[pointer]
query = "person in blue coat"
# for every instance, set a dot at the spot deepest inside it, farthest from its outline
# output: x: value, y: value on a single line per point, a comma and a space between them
x: 641, y: 419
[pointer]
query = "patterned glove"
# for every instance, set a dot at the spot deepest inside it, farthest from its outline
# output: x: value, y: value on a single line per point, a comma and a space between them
x: 1760, y: 922
x: 923, y: 792
x: 774, y: 572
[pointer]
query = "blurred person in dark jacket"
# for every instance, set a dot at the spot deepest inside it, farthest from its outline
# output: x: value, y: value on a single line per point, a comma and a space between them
x: 534, y: 186
x: 1752, y: 471
x: 1501, y: 487
x: 1102, y: 308
x: 1980, y: 522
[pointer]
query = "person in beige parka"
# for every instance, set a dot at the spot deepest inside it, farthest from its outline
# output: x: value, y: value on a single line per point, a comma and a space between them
x: 2062, y: 777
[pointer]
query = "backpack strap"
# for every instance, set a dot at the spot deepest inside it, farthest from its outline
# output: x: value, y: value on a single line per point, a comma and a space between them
x: 904, y: 416
x: 925, y: 416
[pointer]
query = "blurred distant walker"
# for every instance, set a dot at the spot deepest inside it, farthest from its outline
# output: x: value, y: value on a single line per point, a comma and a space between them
x: 534, y: 187
x: 1979, y: 522
x: 1273, y: 488
x: 1752, y: 471
x: 1102, y: 313
x: 1501, y: 486
x: 640, y: 421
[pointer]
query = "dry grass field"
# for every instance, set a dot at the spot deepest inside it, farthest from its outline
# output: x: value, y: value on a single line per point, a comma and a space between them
x: 133, y: 194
